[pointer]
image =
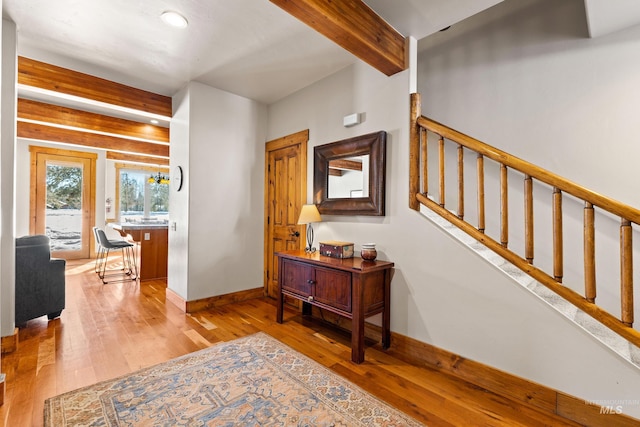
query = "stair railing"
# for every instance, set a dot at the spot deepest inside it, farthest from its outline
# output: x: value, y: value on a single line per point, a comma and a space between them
x: 421, y: 127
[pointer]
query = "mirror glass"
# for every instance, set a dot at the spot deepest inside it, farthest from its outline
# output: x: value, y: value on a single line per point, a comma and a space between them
x: 349, y: 176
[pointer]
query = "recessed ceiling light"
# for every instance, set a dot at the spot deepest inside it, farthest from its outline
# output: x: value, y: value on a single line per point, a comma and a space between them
x: 154, y: 121
x: 174, y: 19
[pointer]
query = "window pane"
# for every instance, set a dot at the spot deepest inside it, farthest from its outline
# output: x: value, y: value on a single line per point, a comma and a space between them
x: 142, y: 198
x: 63, y: 218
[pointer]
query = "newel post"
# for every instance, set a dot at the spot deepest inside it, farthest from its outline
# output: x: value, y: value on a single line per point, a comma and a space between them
x: 414, y: 151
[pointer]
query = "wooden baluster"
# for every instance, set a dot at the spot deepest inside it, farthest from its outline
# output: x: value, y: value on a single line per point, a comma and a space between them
x: 460, y: 181
x: 424, y: 158
x: 557, y: 235
x: 589, y: 253
x: 504, y: 207
x: 626, y: 272
x: 414, y: 151
x: 441, y: 159
x: 480, y: 172
x: 528, y: 218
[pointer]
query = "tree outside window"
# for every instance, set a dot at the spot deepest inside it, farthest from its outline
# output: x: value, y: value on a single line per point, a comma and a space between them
x: 134, y: 188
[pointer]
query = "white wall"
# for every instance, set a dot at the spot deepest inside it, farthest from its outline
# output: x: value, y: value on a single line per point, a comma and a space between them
x: 7, y: 188
x: 525, y: 77
x: 442, y: 293
x: 178, y: 264
x: 218, y: 138
x: 533, y: 83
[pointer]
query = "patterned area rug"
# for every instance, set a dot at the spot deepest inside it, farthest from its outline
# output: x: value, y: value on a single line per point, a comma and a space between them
x: 251, y: 381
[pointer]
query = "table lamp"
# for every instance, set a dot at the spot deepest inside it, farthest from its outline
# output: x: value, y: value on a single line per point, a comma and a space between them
x: 309, y: 214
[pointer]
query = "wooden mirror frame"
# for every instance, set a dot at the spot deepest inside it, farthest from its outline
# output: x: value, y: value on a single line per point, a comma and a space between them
x: 373, y: 144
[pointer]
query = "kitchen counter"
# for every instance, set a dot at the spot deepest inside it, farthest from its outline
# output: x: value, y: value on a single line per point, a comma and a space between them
x: 139, y: 225
x: 152, y: 241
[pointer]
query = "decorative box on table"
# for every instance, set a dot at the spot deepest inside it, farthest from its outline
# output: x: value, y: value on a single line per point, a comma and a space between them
x: 336, y: 249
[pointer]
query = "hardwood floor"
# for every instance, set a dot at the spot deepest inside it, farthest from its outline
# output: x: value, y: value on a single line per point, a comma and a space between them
x: 111, y: 330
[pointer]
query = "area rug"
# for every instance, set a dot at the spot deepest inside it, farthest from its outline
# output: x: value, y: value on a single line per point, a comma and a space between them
x: 251, y: 381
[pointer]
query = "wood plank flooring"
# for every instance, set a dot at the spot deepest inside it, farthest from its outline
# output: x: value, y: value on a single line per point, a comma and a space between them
x: 111, y: 330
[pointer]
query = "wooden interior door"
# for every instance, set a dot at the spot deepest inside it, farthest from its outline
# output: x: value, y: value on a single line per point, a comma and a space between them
x: 285, y: 193
x: 68, y: 225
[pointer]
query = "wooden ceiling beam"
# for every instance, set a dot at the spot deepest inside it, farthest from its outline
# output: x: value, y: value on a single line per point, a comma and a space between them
x: 64, y: 116
x: 124, y: 157
x: 57, y: 79
x: 345, y: 164
x: 356, y: 27
x: 42, y: 132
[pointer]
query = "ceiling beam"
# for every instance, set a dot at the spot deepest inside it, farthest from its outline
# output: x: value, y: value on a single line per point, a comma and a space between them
x: 62, y: 80
x: 124, y: 157
x: 345, y: 164
x: 354, y: 26
x: 57, y: 115
x: 42, y: 132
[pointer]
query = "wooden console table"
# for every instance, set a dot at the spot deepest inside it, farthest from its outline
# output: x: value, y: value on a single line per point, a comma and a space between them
x: 351, y: 287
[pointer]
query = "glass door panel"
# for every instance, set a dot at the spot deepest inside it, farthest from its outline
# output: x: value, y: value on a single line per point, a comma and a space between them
x: 63, y: 200
x: 63, y: 212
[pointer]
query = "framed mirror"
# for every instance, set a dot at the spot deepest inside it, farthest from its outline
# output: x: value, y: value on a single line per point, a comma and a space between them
x: 349, y: 175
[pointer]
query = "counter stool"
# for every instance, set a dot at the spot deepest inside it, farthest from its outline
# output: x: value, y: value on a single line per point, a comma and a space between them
x: 100, y: 252
x: 130, y: 268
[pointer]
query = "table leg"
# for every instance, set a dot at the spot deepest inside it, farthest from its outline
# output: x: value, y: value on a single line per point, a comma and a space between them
x: 386, y: 312
x: 357, y: 321
x: 280, y: 303
x: 279, y: 308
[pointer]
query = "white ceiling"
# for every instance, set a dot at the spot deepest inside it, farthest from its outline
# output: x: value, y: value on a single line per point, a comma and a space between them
x: 605, y: 16
x: 248, y: 47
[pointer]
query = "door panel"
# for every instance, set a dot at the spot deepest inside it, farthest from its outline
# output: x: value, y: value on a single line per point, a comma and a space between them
x: 333, y: 288
x: 297, y: 278
x: 285, y: 193
x: 62, y: 200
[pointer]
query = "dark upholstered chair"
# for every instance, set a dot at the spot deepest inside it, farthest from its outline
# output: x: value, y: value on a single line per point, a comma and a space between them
x: 39, y: 280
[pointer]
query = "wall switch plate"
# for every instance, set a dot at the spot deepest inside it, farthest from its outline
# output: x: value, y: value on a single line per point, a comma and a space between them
x: 174, y: 226
x: 147, y: 236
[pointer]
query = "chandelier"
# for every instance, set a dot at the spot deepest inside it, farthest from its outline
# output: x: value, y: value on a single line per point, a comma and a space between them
x: 158, y: 179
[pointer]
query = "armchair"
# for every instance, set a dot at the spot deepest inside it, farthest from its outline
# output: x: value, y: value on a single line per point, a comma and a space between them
x: 40, y: 281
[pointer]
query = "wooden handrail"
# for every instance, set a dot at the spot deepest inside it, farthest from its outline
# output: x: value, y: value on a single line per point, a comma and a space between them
x: 419, y: 194
x: 536, y: 172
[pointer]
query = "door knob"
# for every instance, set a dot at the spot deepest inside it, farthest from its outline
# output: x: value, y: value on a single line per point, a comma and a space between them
x: 296, y: 234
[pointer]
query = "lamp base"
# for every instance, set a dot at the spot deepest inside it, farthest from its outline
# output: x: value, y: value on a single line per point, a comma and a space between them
x: 310, y: 249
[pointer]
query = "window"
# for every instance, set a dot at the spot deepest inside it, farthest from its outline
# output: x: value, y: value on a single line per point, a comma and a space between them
x: 142, y: 193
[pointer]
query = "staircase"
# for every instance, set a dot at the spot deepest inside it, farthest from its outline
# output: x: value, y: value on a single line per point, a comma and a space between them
x: 467, y: 170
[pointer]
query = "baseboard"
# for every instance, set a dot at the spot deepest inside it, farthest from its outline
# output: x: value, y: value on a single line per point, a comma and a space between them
x: 508, y: 385
x: 220, y: 300
x: 501, y: 383
x: 215, y: 301
x: 176, y: 299
x: 3, y: 388
x: 9, y: 344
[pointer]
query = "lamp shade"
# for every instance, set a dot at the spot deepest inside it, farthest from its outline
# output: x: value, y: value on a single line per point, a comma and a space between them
x: 308, y: 214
